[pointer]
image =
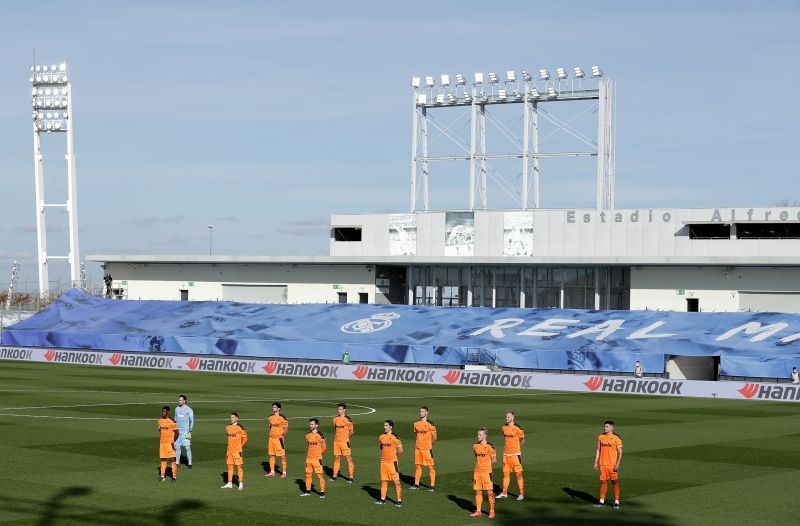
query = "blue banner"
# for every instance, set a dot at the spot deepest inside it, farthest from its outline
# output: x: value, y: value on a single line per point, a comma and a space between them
x: 522, y: 338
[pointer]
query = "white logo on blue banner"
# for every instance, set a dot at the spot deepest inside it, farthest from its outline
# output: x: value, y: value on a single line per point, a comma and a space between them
x: 375, y: 323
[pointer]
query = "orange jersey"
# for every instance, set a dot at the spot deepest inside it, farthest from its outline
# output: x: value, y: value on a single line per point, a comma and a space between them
x: 389, y: 444
x: 277, y: 426
x: 167, y: 428
x: 513, y: 434
x: 316, y: 444
x: 237, y: 438
x: 424, y: 430
x: 343, y: 426
x: 485, y: 454
x: 608, y: 445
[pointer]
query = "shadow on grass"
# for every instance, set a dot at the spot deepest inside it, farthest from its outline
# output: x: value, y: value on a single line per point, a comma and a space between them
x: 62, y: 505
x: 582, y: 495
x: 464, y: 504
x: 374, y: 493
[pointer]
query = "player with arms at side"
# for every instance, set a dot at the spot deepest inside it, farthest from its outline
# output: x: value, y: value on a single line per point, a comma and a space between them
x: 341, y: 441
x: 184, y: 417
x: 425, y: 432
x: 278, y: 428
x: 315, y: 441
x: 482, y: 480
x: 391, y: 449
x: 512, y: 456
x: 237, y: 438
x: 607, y: 459
x: 167, y: 435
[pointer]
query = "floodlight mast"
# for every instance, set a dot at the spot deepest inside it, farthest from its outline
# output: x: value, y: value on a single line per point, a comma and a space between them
x: 530, y: 93
x: 51, y: 90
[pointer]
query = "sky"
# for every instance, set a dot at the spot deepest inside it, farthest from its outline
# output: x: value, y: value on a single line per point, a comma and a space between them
x: 264, y: 118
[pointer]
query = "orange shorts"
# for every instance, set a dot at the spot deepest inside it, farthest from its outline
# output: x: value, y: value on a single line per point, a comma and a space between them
x: 608, y: 473
x: 341, y: 448
x: 423, y: 457
x: 389, y: 472
x: 482, y: 481
x: 314, y: 465
x: 276, y: 447
x: 512, y: 464
x: 234, y: 459
x: 166, y: 451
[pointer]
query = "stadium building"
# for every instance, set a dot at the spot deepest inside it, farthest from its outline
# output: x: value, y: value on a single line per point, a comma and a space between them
x: 518, y: 255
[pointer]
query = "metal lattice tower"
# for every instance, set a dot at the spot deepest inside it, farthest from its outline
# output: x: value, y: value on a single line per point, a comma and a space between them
x: 52, y: 114
x: 530, y: 95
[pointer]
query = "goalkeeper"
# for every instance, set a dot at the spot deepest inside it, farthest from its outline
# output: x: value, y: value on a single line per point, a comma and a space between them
x: 184, y: 417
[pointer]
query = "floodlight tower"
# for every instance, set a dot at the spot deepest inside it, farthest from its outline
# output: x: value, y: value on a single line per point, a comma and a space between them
x: 52, y: 114
x: 531, y: 94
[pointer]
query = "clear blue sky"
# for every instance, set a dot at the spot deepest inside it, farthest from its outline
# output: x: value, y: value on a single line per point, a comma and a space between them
x: 265, y: 119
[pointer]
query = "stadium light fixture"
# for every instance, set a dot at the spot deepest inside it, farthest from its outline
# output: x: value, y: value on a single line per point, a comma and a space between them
x: 596, y: 72
x: 429, y: 82
x: 467, y: 97
x: 579, y: 74
x: 551, y: 92
x: 478, y: 78
x: 460, y: 79
x: 422, y: 99
x: 445, y: 80
x: 511, y: 76
x: 534, y: 94
x: 493, y: 77
x: 415, y: 81
x: 544, y: 74
x: 561, y: 73
x: 501, y: 94
x: 452, y: 98
x: 440, y: 98
x: 526, y: 76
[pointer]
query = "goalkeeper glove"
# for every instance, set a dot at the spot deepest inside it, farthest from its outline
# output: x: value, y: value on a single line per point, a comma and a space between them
x: 189, y: 435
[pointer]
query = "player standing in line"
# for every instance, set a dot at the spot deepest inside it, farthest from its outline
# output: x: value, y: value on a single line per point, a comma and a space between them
x: 607, y: 458
x: 512, y: 456
x: 237, y: 438
x: 482, y: 480
x: 278, y: 427
x: 315, y: 441
x: 184, y: 417
x: 167, y: 433
x: 391, y: 449
x: 341, y: 441
x: 425, y: 432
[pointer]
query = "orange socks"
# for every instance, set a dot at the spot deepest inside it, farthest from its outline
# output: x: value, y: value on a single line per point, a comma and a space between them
x: 491, y: 500
x: 433, y: 477
x: 506, y: 481
x: 174, y: 469
x: 240, y: 471
x: 230, y: 473
x: 399, y: 490
x: 163, y: 467
x: 308, y: 481
x: 283, y: 464
x: 615, y: 485
x: 272, y: 464
x: 336, y: 463
x: 321, y: 477
x: 520, y: 484
x: 478, y: 500
x: 351, y: 466
x: 384, y: 488
x: 603, y: 489
x: 417, y: 475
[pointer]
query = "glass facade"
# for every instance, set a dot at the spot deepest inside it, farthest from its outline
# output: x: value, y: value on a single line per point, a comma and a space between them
x: 529, y: 286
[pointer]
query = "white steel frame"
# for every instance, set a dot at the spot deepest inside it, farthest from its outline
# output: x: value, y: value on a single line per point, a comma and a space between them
x: 530, y: 95
x: 53, y: 91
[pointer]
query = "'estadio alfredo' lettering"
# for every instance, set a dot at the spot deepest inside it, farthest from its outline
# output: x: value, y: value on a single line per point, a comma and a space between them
x: 609, y: 385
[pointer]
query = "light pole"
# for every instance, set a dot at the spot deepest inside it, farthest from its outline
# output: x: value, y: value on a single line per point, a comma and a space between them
x: 210, y: 238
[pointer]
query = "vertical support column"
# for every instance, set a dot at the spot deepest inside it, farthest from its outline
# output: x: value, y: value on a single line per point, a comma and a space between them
x: 424, y: 158
x: 41, y: 225
x: 526, y: 117
x: 72, y: 200
x: 410, y: 284
x: 494, y: 287
x: 469, y: 286
x: 414, y: 135
x: 596, y: 288
x: 473, y: 131
x: 561, y: 291
x: 605, y: 146
x: 535, y: 291
x: 522, y: 287
x: 484, y: 167
x: 534, y: 117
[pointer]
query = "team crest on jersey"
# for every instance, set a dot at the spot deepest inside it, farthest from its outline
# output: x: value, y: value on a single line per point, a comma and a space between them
x: 375, y: 323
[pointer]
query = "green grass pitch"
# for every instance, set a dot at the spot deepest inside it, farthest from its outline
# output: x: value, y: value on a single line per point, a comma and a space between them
x: 686, y: 461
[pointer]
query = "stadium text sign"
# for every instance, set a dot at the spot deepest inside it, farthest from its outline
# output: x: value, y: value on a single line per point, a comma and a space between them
x: 412, y: 375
